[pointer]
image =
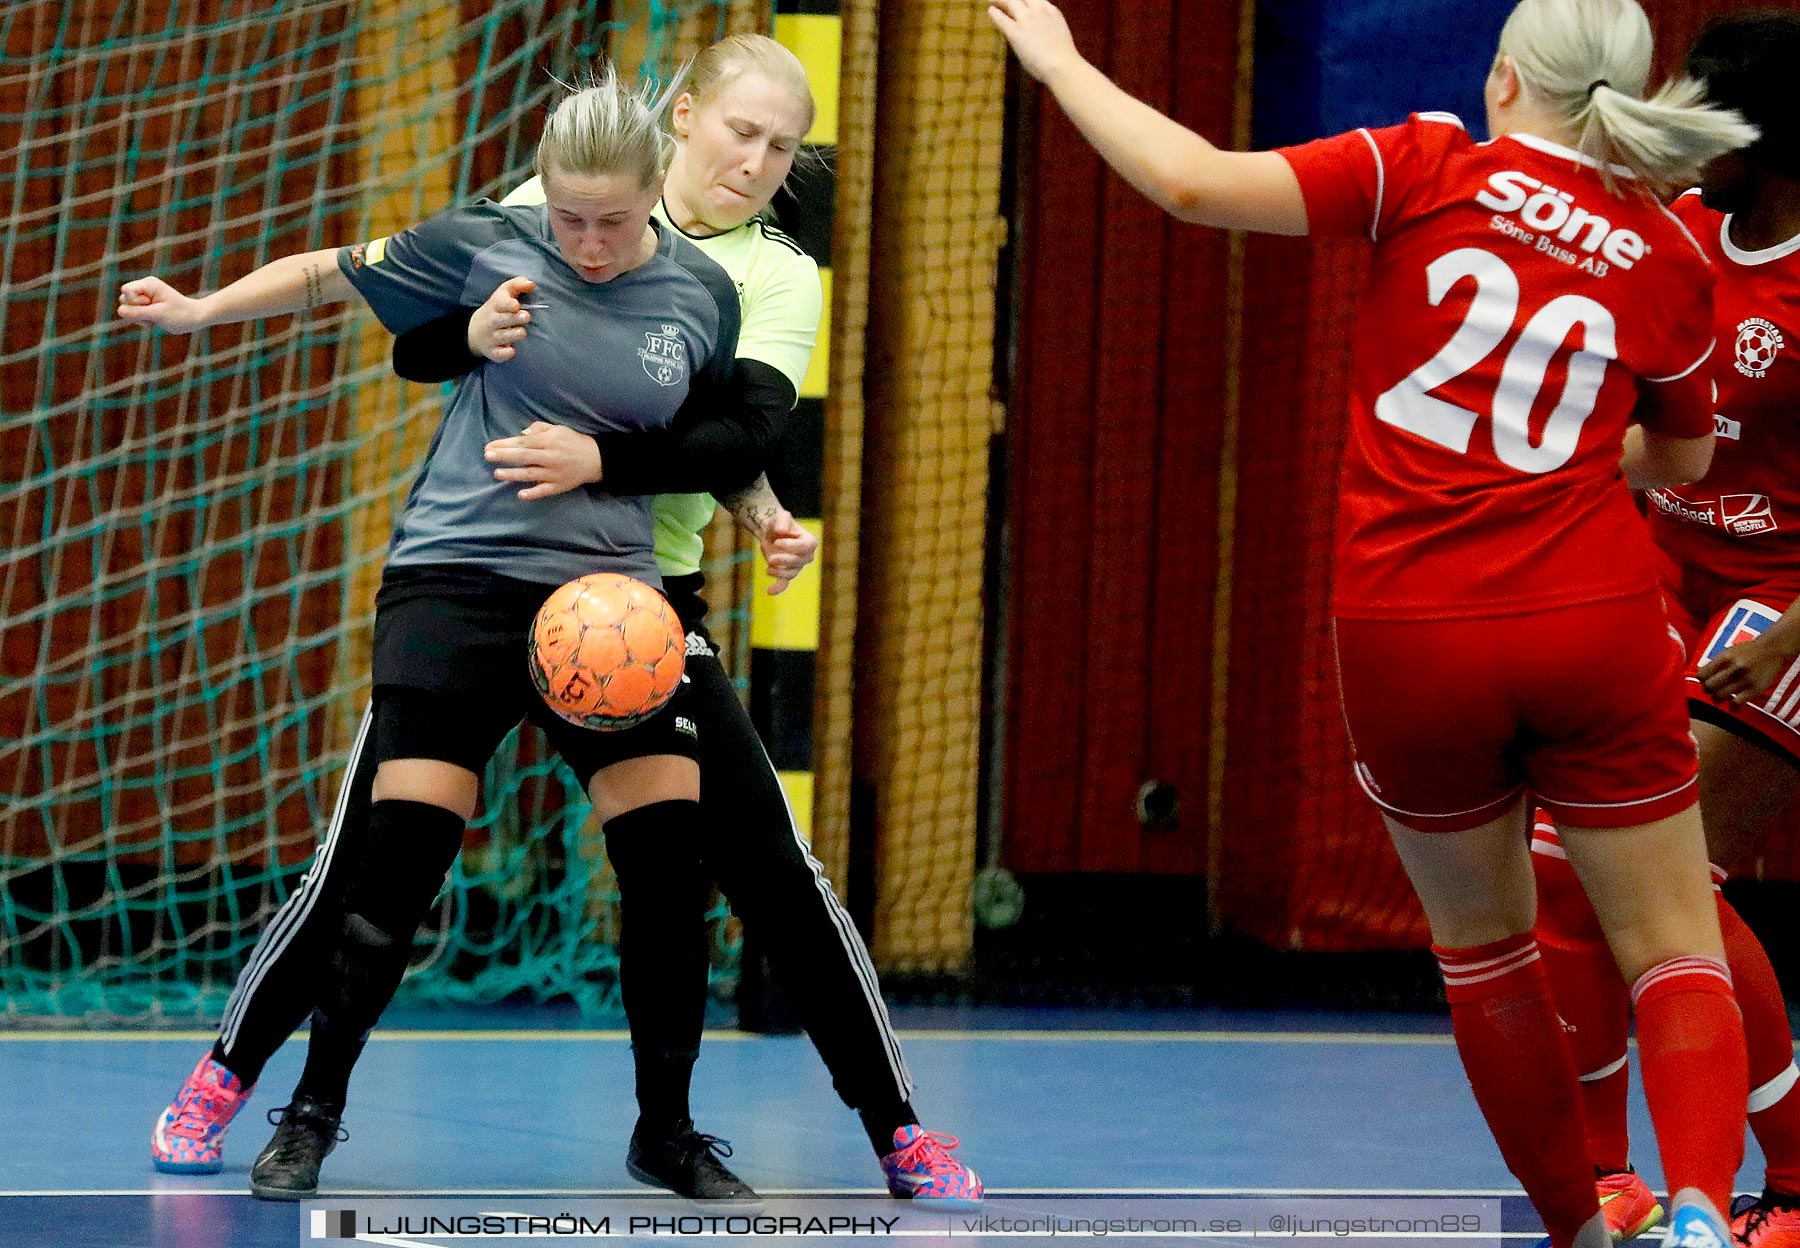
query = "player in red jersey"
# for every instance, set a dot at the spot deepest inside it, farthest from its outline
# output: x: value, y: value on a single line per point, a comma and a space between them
x: 1731, y: 577
x: 1495, y: 603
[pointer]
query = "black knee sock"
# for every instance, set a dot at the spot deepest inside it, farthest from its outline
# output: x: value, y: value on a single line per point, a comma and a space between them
x: 367, y: 969
x: 663, y: 1080
x: 881, y: 1121
x: 411, y: 847
x: 663, y: 953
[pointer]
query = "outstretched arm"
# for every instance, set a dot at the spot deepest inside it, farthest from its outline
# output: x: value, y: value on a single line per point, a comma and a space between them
x: 1176, y: 168
x: 289, y: 284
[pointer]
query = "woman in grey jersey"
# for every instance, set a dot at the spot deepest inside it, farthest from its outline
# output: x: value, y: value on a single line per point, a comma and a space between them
x: 639, y: 323
x: 738, y: 128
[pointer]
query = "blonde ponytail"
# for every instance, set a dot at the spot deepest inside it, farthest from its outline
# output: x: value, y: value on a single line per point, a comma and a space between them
x: 1589, y: 61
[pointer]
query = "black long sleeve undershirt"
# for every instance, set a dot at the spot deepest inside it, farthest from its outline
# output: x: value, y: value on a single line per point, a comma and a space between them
x: 718, y: 443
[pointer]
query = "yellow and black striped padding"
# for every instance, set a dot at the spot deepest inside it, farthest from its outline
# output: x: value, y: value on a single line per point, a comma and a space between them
x: 784, y: 630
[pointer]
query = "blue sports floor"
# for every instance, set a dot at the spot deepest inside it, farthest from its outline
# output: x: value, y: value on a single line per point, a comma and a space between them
x: 1061, y: 1101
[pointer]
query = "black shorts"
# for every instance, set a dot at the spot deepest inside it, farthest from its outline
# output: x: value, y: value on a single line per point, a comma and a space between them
x: 455, y: 641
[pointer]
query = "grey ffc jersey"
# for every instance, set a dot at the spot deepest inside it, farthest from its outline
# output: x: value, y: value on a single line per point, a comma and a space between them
x: 614, y: 357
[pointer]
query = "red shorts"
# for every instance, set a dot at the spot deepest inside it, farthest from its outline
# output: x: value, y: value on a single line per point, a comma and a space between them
x: 1452, y: 721
x: 1710, y: 616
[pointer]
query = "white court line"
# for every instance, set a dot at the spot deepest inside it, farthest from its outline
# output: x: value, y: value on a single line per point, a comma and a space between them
x: 715, y: 1037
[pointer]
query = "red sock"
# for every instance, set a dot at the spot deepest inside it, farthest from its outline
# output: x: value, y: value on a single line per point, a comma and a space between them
x: 1774, y: 1113
x: 1590, y: 995
x: 1595, y: 1007
x: 1691, y: 1048
x: 1518, y: 1063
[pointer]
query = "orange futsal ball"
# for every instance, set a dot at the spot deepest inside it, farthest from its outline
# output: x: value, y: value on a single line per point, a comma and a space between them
x: 606, y: 651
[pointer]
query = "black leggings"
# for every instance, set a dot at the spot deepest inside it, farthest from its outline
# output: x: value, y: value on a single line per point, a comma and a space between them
x: 750, y: 846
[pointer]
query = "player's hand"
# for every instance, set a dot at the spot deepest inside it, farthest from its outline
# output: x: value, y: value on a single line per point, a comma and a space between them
x: 1744, y: 670
x: 498, y: 326
x: 787, y: 548
x: 552, y: 459
x: 152, y: 301
x: 1038, y: 34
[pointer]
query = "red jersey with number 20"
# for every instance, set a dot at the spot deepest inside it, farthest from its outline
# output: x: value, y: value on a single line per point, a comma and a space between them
x: 1741, y: 524
x: 1516, y: 314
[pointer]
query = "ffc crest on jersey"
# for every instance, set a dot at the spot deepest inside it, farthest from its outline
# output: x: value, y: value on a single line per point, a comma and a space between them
x: 664, y: 356
x: 1746, y: 621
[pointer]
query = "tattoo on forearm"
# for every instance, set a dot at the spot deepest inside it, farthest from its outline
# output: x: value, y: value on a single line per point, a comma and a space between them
x: 754, y: 505
x: 315, y: 286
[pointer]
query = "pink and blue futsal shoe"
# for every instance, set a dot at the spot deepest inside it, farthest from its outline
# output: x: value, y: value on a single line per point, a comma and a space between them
x: 190, y: 1135
x: 921, y: 1168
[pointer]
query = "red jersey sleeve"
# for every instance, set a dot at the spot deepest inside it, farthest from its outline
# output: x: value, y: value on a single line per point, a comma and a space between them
x: 1680, y: 401
x: 1682, y: 406
x: 1363, y: 181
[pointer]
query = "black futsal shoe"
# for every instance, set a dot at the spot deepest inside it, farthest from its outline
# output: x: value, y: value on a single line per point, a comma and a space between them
x: 686, y: 1162
x: 305, y: 1133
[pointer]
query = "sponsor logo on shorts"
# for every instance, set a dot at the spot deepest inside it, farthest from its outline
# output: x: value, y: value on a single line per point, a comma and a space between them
x: 1745, y: 621
x: 696, y: 644
x: 1746, y: 514
x: 684, y: 724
